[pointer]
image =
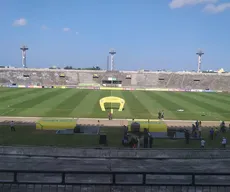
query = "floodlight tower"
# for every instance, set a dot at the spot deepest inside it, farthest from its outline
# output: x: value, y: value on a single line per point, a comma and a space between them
x: 112, y: 52
x: 24, y: 49
x: 199, y: 53
x: 107, y: 63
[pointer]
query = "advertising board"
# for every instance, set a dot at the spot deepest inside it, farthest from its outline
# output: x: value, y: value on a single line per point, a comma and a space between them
x: 21, y: 86
x: 111, y: 88
x: 196, y: 90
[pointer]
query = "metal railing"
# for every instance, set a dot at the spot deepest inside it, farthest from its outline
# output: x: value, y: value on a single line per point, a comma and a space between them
x: 113, y: 175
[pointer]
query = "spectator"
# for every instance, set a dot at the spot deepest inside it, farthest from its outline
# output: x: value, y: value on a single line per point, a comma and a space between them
x: 197, y: 124
x: 125, y: 141
x: 138, y: 142
x: 224, y: 142
x: 193, y: 130
x: 125, y: 130
x: 12, y: 128
x: 133, y: 142
x: 195, y: 134
x: 187, y: 136
x: 162, y: 114
x: 222, y: 127
x: 159, y: 115
x: 202, y: 143
x: 146, y: 140
x: 211, y: 133
x: 151, y: 141
x: 199, y: 131
x: 110, y: 116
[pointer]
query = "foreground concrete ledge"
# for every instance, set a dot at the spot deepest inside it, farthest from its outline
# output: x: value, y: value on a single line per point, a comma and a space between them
x: 116, y: 153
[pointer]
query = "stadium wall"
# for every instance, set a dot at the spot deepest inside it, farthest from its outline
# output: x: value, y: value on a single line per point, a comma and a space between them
x: 131, y: 80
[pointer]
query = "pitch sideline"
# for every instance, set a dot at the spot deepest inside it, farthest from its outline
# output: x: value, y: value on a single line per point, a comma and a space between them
x: 5, y: 118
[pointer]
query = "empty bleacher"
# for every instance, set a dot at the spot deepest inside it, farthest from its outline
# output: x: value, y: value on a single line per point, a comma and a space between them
x: 176, y: 80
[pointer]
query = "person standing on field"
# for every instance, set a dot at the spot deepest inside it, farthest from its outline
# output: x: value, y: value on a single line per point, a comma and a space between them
x: 159, y: 115
x: 202, y: 143
x: 162, y: 114
x: 187, y: 136
x: 211, y: 133
x: 224, y: 142
x: 12, y: 128
x: 197, y: 124
x: 199, y: 131
x: 110, y: 116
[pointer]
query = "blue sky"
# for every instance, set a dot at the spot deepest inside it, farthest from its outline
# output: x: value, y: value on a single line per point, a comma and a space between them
x: 147, y: 34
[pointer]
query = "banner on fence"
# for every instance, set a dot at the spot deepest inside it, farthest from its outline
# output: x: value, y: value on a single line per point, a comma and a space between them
x: 13, y: 86
x: 155, y: 89
x: 208, y: 91
x: 60, y: 87
x: 196, y: 90
x: 132, y: 89
x: 71, y: 86
x: 21, y: 86
x: 176, y: 90
x: 88, y: 85
x: 95, y: 87
x: 111, y: 88
x: 35, y: 86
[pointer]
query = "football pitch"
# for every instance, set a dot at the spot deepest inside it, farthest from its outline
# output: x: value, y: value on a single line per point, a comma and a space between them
x: 79, y: 103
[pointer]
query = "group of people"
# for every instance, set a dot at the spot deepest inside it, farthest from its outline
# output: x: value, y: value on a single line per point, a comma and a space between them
x: 196, y: 129
x: 223, y: 142
x: 213, y: 133
x: 195, y: 133
x: 136, y: 141
x: 130, y: 141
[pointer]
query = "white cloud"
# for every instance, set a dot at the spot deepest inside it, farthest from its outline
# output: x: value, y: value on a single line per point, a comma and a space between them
x: 211, y: 8
x: 66, y: 29
x: 181, y: 3
x: 20, y: 22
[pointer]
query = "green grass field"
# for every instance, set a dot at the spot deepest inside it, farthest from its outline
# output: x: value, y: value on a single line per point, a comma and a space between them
x: 139, y: 104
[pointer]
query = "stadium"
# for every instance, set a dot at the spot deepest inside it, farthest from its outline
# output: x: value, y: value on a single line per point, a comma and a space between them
x: 148, y: 116
x: 47, y: 104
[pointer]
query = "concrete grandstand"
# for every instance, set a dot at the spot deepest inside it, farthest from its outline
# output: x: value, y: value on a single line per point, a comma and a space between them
x: 173, y: 80
x: 52, y: 158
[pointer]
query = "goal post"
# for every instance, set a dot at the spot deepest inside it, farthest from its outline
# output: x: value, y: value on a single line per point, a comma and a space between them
x: 112, y: 99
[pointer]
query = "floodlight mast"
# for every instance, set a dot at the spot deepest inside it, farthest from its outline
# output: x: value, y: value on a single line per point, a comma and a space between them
x: 199, y: 53
x: 24, y: 49
x: 112, y: 53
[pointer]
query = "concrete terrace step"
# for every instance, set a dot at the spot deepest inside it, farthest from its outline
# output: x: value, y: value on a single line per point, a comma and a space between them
x: 63, y: 188
x: 116, y: 153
